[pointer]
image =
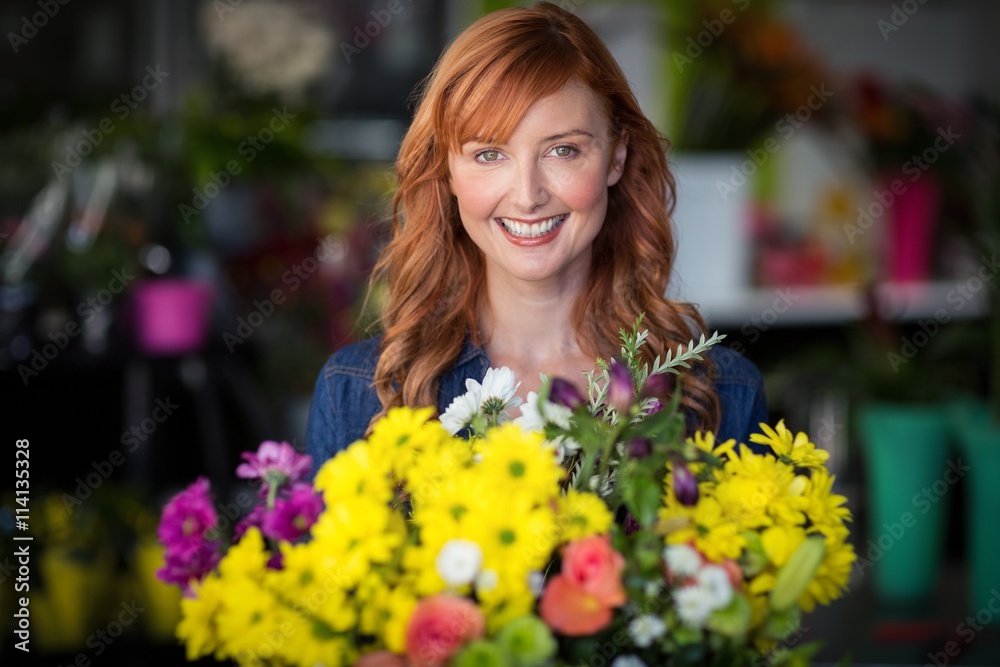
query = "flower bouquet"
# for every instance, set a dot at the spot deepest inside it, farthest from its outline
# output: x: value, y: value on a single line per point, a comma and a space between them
x: 587, y: 530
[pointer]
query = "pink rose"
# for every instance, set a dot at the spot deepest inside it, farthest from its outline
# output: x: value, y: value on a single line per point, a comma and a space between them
x: 568, y: 610
x: 592, y: 565
x: 439, y: 627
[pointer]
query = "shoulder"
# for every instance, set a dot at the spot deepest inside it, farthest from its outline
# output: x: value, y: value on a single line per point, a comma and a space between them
x: 732, y: 368
x: 357, y: 360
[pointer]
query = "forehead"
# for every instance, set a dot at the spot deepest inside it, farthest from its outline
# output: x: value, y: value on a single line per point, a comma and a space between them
x: 571, y: 107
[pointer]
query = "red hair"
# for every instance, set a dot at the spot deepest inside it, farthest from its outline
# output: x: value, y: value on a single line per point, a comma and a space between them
x: 481, y: 87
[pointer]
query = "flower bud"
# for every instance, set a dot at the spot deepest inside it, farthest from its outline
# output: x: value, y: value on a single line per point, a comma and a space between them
x: 639, y: 448
x: 685, y: 484
x: 657, y: 385
x: 620, y: 388
x: 654, y: 407
x: 564, y: 393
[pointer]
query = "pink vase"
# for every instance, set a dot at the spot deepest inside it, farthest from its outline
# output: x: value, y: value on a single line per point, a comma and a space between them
x: 171, y: 315
x: 911, y: 219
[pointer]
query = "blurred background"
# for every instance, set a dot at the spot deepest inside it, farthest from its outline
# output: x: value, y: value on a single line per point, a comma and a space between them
x: 192, y: 194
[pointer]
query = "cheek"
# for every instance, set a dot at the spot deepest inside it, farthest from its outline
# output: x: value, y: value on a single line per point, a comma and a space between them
x: 477, y: 195
x: 583, y: 191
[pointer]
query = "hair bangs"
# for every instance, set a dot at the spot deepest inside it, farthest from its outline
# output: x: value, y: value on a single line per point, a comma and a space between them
x: 492, y: 99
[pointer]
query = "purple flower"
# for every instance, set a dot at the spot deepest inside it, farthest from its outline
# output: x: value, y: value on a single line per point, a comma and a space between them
x: 685, y: 485
x: 292, y: 516
x: 654, y: 407
x: 660, y: 384
x: 639, y: 448
x: 621, y: 389
x: 187, y: 522
x: 563, y: 392
x: 252, y: 520
x: 631, y: 525
x: 275, y: 463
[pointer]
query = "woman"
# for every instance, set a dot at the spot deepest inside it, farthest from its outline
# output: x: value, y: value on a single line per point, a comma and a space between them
x: 531, y: 223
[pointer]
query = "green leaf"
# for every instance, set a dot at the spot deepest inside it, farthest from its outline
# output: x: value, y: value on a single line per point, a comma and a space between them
x: 733, y: 620
x: 798, y: 572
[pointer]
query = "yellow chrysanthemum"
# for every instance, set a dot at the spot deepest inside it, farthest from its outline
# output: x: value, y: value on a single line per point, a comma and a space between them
x: 246, y: 558
x: 311, y: 582
x: 519, y: 536
x: 797, y: 450
x: 704, y: 526
x: 581, y: 515
x: 755, y: 490
x: 403, y: 435
x: 397, y: 609
x: 353, y: 473
x: 311, y: 643
x: 351, y: 538
x: 705, y: 441
x: 429, y: 472
x: 522, y: 460
x: 825, y: 508
x: 441, y: 514
x: 780, y: 542
x: 248, y: 613
x: 510, y: 598
x: 197, y: 626
x: 834, y: 571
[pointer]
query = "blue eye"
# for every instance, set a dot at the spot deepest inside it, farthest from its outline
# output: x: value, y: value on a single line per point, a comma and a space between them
x: 489, y: 155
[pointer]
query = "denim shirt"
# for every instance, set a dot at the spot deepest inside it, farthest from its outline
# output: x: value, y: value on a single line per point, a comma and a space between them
x: 345, y: 401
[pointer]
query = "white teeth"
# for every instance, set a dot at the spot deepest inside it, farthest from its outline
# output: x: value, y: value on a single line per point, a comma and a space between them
x: 533, y: 230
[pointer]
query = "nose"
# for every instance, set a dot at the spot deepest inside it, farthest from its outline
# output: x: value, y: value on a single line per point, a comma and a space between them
x: 528, y: 188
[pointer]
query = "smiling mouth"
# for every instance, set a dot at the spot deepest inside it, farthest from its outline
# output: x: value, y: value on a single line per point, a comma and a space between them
x: 532, y: 230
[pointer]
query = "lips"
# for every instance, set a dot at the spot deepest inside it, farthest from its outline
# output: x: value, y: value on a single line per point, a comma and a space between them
x: 532, y: 230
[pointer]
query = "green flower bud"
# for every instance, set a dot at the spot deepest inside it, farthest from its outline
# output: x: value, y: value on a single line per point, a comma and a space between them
x: 797, y: 574
x: 528, y: 641
x: 481, y: 654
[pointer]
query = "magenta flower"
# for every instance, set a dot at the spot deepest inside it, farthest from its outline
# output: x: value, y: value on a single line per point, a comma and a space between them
x: 293, y: 515
x: 621, y: 389
x: 253, y: 520
x: 187, y: 522
x: 639, y: 448
x: 564, y: 393
x: 275, y: 463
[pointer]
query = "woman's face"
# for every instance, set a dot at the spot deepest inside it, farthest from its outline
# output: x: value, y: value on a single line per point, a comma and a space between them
x: 534, y: 204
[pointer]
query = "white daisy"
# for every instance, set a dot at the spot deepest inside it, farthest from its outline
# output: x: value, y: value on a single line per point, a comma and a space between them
x: 682, y: 560
x: 499, y: 384
x: 694, y: 605
x: 535, y: 414
x: 459, y: 561
x: 645, y: 629
x: 462, y: 410
x: 715, y: 582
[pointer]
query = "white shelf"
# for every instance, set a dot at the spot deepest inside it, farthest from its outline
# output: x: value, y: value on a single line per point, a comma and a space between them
x: 822, y: 305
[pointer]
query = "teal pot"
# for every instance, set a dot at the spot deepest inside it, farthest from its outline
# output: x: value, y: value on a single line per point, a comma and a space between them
x: 979, y: 438
x: 905, y: 449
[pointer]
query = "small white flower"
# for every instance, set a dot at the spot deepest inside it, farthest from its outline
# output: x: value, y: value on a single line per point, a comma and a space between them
x: 459, y: 414
x: 536, y: 582
x: 715, y: 582
x: 535, y: 414
x: 694, y: 605
x: 487, y: 581
x: 682, y: 560
x: 459, y: 561
x: 645, y: 629
x: 628, y: 661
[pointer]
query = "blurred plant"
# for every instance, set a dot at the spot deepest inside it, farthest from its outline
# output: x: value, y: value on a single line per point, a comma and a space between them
x: 755, y: 69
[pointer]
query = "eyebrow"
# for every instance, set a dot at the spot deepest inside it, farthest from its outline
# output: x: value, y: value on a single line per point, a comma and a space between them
x: 554, y: 137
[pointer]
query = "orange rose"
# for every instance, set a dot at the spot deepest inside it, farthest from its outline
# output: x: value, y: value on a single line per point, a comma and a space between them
x: 439, y: 627
x: 595, y: 567
x: 569, y: 610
